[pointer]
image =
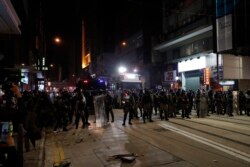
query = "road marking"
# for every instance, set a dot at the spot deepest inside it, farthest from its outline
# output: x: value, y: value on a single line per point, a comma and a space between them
x: 221, y: 147
x: 56, y: 157
x: 58, y: 152
x: 61, y: 152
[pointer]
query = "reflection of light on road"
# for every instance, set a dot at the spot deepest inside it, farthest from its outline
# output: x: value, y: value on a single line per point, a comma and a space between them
x: 221, y: 147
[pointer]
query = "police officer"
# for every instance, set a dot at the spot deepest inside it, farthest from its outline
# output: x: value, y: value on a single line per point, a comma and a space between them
x: 109, y: 106
x: 147, y: 104
x: 248, y: 102
x: 127, y: 108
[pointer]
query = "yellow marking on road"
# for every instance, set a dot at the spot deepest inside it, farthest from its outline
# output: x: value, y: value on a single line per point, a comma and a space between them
x: 61, y: 152
x: 56, y: 157
x: 58, y: 152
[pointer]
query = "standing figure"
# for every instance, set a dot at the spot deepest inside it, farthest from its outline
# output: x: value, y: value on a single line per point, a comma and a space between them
x: 247, y: 95
x: 184, y: 105
x: 163, y: 105
x: 203, y: 105
x: 109, y: 106
x: 242, y: 102
x: 80, y: 107
x: 197, y: 102
x: 147, y: 105
x: 127, y: 109
x: 155, y: 102
x: 230, y: 103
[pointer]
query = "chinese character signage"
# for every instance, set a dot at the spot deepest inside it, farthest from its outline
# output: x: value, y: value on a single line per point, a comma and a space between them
x: 170, y: 76
x: 207, y: 76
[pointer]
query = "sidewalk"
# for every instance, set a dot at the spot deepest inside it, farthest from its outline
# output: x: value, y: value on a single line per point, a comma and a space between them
x: 35, y: 157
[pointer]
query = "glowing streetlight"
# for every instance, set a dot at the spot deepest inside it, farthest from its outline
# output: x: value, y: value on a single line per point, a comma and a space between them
x: 135, y: 70
x: 57, y: 40
x: 122, y: 69
x: 124, y: 43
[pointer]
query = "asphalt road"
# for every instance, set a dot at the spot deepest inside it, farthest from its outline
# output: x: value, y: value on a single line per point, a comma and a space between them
x: 213, y: 141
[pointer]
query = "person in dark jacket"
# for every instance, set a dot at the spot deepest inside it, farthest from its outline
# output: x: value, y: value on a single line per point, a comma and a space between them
x: 109, y: 106
x: 147, y: 104
x: 127, y: 109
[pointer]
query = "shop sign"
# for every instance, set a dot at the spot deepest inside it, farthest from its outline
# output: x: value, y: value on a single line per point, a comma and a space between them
x: 227, y: 83
x: 170, y: 76
x: 207, y: 76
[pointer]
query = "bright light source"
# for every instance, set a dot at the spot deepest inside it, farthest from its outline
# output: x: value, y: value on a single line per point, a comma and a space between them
x: 57, y: 40
x: 135, y: 70
x: 131, y: 76
x: 193, y: 64
x: 100, y: 80
x: 122, y: 69
x: 85, y: 81
x: 177, y: 78
x: 124, y: 43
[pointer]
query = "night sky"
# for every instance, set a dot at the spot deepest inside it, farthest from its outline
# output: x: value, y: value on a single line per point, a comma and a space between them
x: 113, y: 22
x: 114, y: 19
x: 117, y: 18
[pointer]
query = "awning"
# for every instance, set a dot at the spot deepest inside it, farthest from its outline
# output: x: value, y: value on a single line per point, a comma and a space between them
x: 9, y: 21
x: 188, y: 38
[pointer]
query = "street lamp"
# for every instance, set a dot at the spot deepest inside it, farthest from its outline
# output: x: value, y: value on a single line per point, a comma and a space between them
x: 122, y: 69
x: 57, y: 40
x: 124, y: 43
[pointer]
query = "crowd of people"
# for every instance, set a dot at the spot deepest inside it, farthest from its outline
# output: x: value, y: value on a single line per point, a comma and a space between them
x: 36, y: 110
x: 171, y: 103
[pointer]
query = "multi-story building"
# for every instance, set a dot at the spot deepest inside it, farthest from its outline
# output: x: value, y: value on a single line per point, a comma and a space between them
x: 232, y: 41
x: 188, y: 54
x: 188, y: 45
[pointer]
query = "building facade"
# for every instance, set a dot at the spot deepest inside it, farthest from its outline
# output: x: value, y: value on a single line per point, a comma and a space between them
x: 189, y: 55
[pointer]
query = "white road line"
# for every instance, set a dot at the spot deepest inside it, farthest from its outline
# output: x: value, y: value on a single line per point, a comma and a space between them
x: 221, y: 147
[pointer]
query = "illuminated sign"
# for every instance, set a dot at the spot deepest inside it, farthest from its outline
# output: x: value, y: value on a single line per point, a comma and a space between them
x: 170, y: 76
x: 130, y: 77
x: 207, y: 76
x: 25, y: 76
x: 194, y: 64
x: 227, y: 83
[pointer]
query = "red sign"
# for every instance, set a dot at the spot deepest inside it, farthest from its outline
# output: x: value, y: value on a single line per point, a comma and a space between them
x: 170, y: 75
